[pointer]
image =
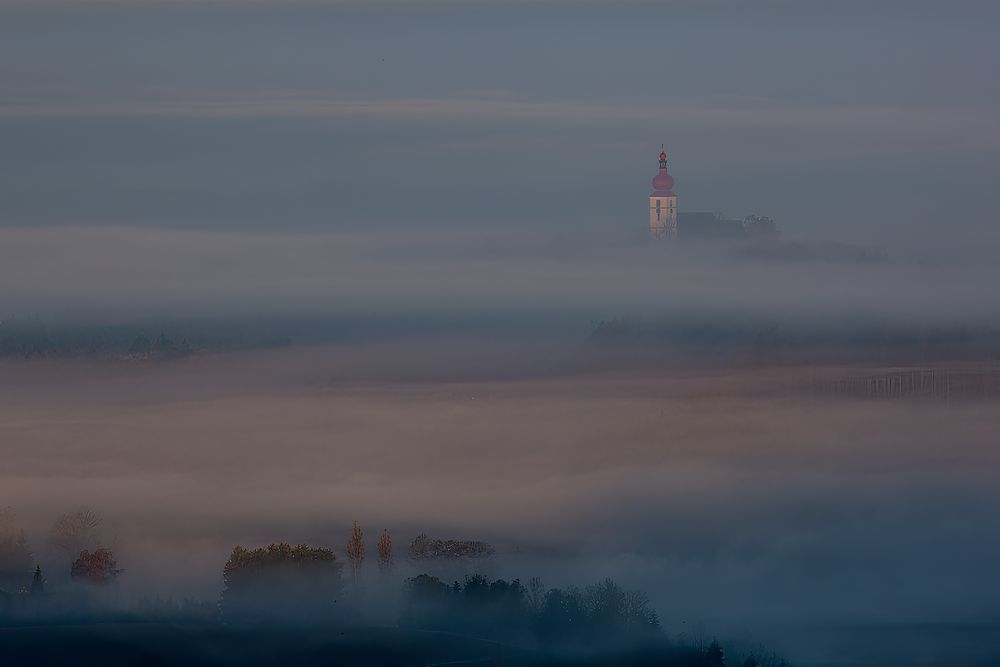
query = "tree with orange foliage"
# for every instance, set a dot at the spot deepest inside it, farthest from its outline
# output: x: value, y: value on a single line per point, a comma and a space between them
x: 281, y: 581
x: 385, y: 552
x: 356, y: 549
x: 95, y: 567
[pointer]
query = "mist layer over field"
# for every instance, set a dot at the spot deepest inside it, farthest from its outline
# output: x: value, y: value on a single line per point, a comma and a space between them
x: 102, y: 274
x: 739, y: 509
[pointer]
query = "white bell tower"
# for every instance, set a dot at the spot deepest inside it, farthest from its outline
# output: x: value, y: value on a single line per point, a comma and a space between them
x: 663, y: 204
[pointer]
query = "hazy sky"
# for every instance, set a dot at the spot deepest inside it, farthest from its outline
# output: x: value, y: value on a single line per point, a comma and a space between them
x: 870, y: 121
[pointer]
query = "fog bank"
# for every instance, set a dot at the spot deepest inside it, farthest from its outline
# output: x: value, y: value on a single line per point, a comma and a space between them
x: 113, y: 274
x: 744, y: 511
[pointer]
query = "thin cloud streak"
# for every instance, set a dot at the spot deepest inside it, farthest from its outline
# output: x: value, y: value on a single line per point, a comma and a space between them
x: 948, y: 127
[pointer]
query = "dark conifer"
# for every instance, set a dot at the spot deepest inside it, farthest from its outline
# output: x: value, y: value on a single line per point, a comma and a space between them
x: 38, y: 582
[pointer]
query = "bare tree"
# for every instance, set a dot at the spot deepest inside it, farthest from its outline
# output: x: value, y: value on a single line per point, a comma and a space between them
x: 536, y: 595
x: 639, y: 615
x: 356, y: 549
x: 385, y: 552
x: 75, y: 531
x: 38, y: 582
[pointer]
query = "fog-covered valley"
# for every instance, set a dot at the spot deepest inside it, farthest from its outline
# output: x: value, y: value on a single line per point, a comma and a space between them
x: 738, y: 509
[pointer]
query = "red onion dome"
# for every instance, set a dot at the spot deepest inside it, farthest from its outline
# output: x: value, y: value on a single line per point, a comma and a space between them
x: 663, y: 180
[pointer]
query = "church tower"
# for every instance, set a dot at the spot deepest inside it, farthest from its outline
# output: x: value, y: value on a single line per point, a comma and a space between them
x: 663, y: 204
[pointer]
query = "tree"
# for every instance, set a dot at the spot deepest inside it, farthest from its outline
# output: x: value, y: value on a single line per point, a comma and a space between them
x: 751, y: 661
x: 480, y: 607
x: 535, y: 595
x: 97, y: 567
x: 280, y: 581
x: 562, y: 618
x: 494, y: 607
x: 428, y: 603
x: 356, y: 549
x: 425, y: 587
x: 605, y: 606
x: 75, y: 531
x: 385, y: 551
x: 640, y: 618
x: 15, y: 555
x: 760, y: 227
x: 424, y: 548
x: 506, y: 610
x: 714, y: 656
x: 38, y: 582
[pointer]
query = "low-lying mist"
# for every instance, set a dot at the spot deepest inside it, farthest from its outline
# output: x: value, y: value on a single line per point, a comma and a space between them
x: 738, y: 509
x: 112, y: 274
x: 592, y: 406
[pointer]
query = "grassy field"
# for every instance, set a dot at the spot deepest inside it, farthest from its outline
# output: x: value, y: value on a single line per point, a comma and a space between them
x: 210, y: 645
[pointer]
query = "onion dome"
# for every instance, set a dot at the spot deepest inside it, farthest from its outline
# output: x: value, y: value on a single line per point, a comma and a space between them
x: 663, y: 181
